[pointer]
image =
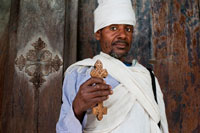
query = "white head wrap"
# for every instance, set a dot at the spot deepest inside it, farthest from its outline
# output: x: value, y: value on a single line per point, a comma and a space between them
x: 113, y: 12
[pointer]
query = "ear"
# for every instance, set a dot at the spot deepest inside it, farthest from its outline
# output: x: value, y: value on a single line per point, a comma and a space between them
x: 98, y: 35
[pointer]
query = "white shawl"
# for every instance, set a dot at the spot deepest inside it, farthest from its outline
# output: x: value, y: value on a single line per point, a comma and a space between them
x: 135, y: 81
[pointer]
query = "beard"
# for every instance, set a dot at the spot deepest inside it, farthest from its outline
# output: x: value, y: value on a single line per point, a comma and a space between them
x: 117, y: 56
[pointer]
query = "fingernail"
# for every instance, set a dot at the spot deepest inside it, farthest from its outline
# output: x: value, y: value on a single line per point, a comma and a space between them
x: 111, y: 92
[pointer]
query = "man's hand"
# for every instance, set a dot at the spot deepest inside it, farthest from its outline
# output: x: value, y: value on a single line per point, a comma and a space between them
x: 91, y: 92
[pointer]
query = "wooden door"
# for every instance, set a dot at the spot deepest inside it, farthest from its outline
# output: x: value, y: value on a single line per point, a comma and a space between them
x: 34, y: 67
x: 42, y: 38
x: 176, y: 34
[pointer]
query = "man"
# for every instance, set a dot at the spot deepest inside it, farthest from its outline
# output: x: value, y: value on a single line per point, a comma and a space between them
x: 126, y: 91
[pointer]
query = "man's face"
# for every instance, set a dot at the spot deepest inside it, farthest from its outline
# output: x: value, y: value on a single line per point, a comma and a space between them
x: 115, y: 39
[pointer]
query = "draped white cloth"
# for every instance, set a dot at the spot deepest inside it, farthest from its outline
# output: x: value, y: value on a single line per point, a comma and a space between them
x: 135, y: 86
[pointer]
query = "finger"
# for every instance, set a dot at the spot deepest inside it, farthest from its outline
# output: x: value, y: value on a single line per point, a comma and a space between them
x: 100, y: 93
x: 99, y: 99
x: 94, y: 91
x: 98, y: 87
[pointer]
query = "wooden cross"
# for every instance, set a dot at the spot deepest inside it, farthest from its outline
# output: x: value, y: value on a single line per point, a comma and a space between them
x: 99, y: 72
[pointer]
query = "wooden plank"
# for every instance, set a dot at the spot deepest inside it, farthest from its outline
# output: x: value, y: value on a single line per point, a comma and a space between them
x: 34, y: 75
x: 71, y: 23
x: 3, y: 57
x: 6, y: 112
x: 4, y: 22
x: 87, y: 44
x: 176, y: 35
x: 142, y: 46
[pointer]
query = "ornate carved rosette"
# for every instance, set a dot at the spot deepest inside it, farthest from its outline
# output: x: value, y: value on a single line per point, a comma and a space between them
x: 38, y: 63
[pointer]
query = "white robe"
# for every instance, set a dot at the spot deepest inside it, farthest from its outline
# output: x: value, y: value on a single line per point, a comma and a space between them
x: 135, y: 96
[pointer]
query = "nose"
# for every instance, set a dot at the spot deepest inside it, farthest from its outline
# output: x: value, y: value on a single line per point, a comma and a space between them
x: 122, y: 34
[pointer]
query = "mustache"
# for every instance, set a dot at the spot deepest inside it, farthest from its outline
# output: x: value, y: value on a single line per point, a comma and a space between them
x: 120, y: 41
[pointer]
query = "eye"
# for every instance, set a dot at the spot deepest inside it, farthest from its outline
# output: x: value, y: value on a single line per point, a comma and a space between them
x: 113, y: 28
x: 129, y: 29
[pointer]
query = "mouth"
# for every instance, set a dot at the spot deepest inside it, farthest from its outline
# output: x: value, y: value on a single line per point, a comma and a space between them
x: 121, y: 44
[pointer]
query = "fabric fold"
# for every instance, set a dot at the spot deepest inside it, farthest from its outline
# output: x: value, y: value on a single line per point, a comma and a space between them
x: 135, y: 83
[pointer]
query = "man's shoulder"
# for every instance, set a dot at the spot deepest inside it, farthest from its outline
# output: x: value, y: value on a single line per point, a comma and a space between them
x: 80, y: 67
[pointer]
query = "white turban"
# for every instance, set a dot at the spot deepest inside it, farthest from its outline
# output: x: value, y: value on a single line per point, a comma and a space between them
x: 113, y: 12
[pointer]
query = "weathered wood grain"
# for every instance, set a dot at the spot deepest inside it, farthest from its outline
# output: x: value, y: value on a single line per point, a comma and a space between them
x: 4, y: 24
x: 3, y: 57
x: 6, y: 113
x: 87, y: 44
x: 142, y: 46
x: 71, y: 32
x: 26, y: 106
x: 176, y: 33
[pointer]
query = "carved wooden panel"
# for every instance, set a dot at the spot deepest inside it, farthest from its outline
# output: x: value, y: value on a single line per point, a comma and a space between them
x: 38, y: 63
x: 34, y: 74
